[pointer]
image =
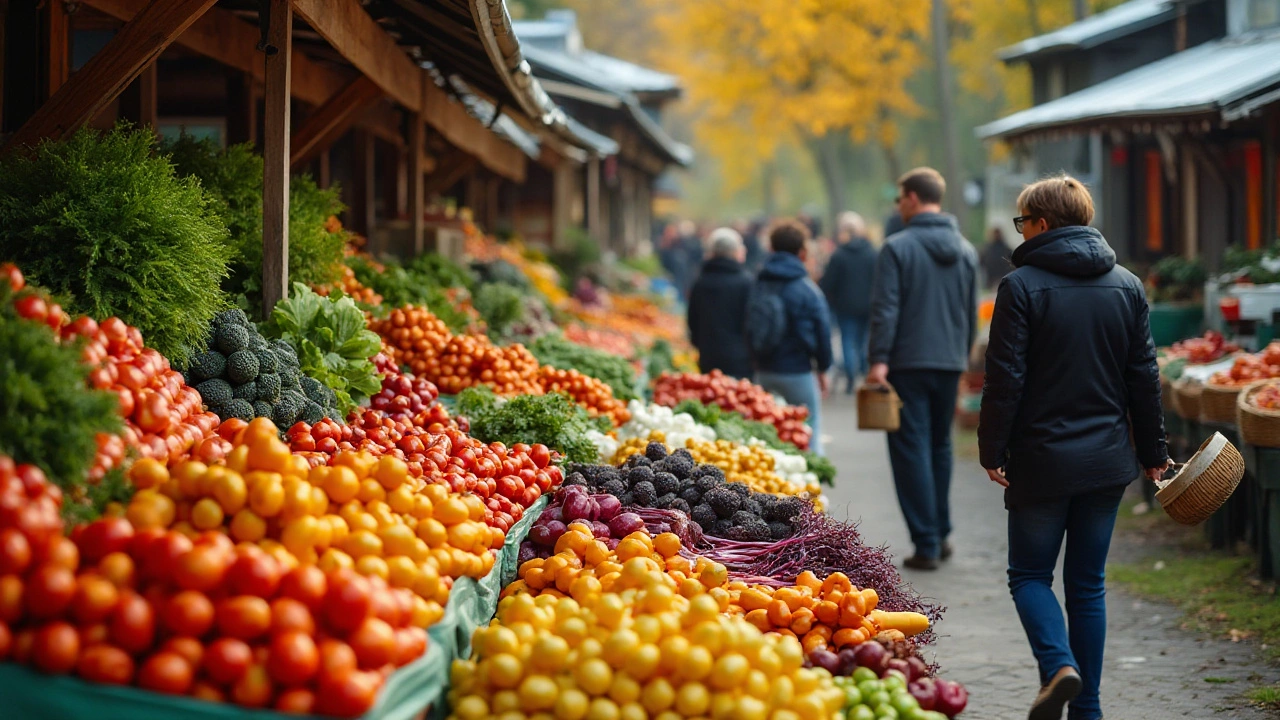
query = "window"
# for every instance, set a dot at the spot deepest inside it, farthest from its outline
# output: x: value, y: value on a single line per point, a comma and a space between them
x: 1263, y: 13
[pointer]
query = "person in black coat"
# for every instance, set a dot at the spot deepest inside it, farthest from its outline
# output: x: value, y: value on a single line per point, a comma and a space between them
x: 1071, y: 377
x: 718, y: 307
x: 847, y: 283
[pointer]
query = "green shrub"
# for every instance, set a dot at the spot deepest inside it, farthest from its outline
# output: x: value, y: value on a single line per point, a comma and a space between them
x: 48, y: 415
x: 234, y: 177
x: 102, y: 221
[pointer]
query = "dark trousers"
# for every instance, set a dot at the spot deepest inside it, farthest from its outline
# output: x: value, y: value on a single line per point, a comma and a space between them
x: 920, y: 452
x: 853, y: 345
x: 1036, y: 532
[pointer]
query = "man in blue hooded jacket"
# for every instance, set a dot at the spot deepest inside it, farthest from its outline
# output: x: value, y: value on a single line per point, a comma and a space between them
x: 923, y: 324
x: 797, y: 368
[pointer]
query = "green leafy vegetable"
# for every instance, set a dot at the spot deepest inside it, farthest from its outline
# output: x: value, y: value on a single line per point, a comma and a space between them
x: 332, y: 342
x: 553, y: 420
x: 554, y: 350
x: 401, y: 285
x: 734, y: 427
x: 101, y: 220
x: 48, y: 415
x: 501, y: 305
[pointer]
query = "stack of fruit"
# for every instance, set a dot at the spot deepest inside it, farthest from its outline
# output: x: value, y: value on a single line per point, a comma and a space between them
x: 592, y: 394
x: 741, y: 396
x: 245, y: 376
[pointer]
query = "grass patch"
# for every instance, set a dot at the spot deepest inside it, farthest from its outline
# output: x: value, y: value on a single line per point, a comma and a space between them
x: 1217, y: 593
x: 1267, y: 695
x: 1219, y: 680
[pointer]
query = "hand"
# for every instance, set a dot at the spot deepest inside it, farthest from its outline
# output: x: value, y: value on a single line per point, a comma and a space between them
x: 997, y: 477
x: 824, y: 384
x: 1156, y: 474
x: 878, y: 374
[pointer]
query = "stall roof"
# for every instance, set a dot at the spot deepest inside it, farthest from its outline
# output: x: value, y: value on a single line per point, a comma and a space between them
x: 551, y: 65
x: 1094, y: 30
x: 559, y: 33
x: 1209, y: 79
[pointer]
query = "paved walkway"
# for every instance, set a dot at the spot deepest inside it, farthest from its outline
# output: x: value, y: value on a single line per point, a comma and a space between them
x: 1154, y: 670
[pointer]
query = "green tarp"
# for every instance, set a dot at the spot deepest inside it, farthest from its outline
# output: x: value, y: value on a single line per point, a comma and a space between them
x: 28, y: 695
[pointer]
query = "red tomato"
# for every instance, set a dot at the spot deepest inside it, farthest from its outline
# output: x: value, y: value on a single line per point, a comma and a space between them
x: 296, y: 701
x: 31, y: 307
x: 13, y: 275
x: 348, y: 695
x: 105, y: 664
x: 15, y: 552
x: 540, y: 455
x: 103, y: 537
x: 95, y: 599
x: 374, y: 643
x: 306, y: 584
x: 152, y: 412
x: 59, y: 552
x: 410, y: 644
x: 293, y: 658
x: 190, y: 649
x: 347, y: 602
x: 253, y: 689
x: 6, y: 641
x: 254, y: 573
x: 133, y: 624
x: 49, y: 591
x: 11, y: 596
x: 166, y: 672
x: 189, y: 613
x: 56, y: 648
x: 162, y: 555
x: 226, y: 660
x: 244, y: 616
x: 289, y: 615
x: 203, y: 568
x: 336, y: 659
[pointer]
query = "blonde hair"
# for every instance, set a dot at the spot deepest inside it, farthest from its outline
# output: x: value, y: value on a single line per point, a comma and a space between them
x: 1060, y: 200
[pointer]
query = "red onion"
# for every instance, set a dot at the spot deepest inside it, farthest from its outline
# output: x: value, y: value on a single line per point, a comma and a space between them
x: 625, y: 524
x: 924, y: 691
x: 577, y: 507
x: 952, y: 698
x: 609, y: 506
x: 872, y: 655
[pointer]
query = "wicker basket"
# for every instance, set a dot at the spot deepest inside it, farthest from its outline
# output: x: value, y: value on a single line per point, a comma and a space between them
x: 1186, y: 399
x: 1204, y: 483
x: 1218, y: 403
x: 878, y: 408
x: 1258, y: 426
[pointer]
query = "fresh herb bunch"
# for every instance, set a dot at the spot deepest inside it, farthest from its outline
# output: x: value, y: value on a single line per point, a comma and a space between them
x: 660, y: 358
x: 101, y: 220
x: 553, y: 420
x: 500, y: 305
x: 234, y: 177
x: 332, y: 343
x: 734, y: 427
x: 1176, y: 278
x: 441, y: 271
x: 399, y: 286
x: 49, y: 416
x: 554, y: 350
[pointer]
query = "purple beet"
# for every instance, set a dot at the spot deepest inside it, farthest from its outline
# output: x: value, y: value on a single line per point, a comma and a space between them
x: 873, y: 655
x: 600, y: 530
x: 848, y: 661
x: 527, y: 552
x: 826, y: 660
x: 609, y: 506
x: 918, y: 668
x: 900, y: 665
x: 924, y: 691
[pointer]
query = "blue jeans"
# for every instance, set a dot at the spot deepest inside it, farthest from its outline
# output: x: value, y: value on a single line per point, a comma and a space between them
x: 798, y: 389
x: 1035, y: 536
x: 853, y: 345
x: 920, y: 452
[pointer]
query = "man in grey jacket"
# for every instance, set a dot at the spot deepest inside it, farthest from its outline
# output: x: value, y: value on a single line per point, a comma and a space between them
x: 923, y: 324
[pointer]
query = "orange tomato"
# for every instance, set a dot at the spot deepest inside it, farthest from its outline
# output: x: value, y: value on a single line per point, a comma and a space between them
x: 105, y: 664
x: 56, y: 648
x: 293, y: 658
x: 245, y: 617
x: 166, y: 672
x: 226, y: 660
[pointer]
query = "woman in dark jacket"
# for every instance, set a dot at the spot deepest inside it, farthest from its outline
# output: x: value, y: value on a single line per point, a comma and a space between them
x: 1071, y: 370
x: 718, y: 307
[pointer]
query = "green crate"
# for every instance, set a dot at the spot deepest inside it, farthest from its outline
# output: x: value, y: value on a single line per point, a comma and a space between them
x: 1171, y: 322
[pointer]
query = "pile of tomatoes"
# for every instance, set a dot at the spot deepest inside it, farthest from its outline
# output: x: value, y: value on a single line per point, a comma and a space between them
x: 1207, y: 348
x: 1267, y: 397
x: 594, y: 395
x: 1251, y: 368
x: 413, y: 335
x: 351, y: 287
x: 741, y: 396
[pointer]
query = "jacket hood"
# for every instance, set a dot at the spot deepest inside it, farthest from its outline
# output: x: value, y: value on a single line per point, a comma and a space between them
x: 722, y: 265
x: 1074, y: 251
x: 855, y: 245
x: 939, y: 234
x: 783, y: 266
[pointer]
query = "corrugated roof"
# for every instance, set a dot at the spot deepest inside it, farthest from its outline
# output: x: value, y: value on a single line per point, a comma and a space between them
x: 1205, y: 79
x: 558, y: 33
x: 1094, y: 30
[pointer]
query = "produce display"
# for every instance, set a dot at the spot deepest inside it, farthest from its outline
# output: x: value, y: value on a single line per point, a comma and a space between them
x: 316, y: 509
x: 1205, y: 349
x: 1251, y: 368
x: 1267, y: 398
x: 741, y: 396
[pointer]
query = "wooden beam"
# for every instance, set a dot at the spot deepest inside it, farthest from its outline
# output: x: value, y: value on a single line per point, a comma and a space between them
x: 332, y: 119
x: 364, y: 168
x: 449, y: 170
x: 275, y: 156
x: 417, y: 171
x: 56, y: 48
x: 100, y: 81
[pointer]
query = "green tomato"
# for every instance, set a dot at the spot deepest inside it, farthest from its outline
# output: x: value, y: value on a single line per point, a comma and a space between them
x: 886, y: 712
x: 861, y: 712
x: 861, y: 675
x: 904, y: 703
x: 879, y: 700
x: 870, y: 687
x: 852, y: 696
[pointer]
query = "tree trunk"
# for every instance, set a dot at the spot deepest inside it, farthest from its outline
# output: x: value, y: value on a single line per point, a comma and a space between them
x: 768, y: 181
x: 828, y: 158
x: 892, y: 160
x: 1081, y: 8
x: 946, y: 111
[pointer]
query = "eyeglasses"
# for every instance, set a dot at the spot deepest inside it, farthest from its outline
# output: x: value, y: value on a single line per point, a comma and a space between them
x: 1019, y: 221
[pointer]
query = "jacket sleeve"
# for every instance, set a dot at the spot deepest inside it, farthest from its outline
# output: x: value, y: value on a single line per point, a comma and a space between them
x: 822, y: 329
x: 830, y: 277
x: 695, y: 315
x: 884, y: 308
x: 1005, y: 374
x: 973, y: 308
x: 1142, y: 375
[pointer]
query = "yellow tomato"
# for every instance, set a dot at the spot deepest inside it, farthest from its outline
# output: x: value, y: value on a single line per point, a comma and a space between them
x: 247, y: 526
x: 266, y: 497
x: 206, y: 514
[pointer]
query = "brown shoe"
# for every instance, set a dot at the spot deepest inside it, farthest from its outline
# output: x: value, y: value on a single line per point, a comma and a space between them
x: 1062, y: 689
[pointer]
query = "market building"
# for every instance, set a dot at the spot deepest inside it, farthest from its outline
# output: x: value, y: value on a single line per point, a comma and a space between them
x: 1170, y: 110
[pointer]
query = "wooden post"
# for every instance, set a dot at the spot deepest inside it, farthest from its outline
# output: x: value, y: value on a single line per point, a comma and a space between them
x: 138, y: 101
x: 594, y: 228
x: 417, y: 194
x: 56, y: 48
x: 100, y: 81
x: 242, y: 107
x: 275, y: 155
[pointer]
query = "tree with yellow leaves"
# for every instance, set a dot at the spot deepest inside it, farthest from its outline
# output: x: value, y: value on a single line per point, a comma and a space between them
x: 764, y: 73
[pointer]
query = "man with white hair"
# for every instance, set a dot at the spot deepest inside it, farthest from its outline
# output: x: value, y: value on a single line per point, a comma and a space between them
x: 847, y: 283
x: 718, y: 306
